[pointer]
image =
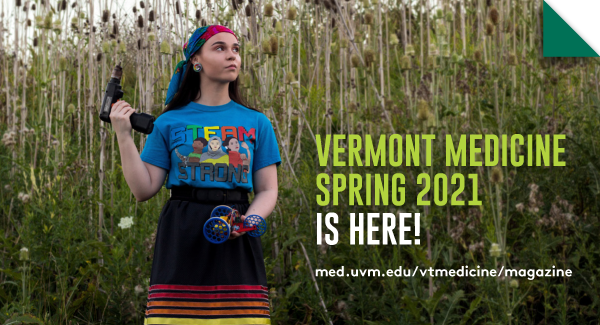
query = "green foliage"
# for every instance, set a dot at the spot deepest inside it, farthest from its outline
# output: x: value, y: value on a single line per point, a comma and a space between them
x: 72, y: 274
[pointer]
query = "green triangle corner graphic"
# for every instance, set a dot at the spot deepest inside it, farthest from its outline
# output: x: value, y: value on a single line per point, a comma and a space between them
x: 560, y: 40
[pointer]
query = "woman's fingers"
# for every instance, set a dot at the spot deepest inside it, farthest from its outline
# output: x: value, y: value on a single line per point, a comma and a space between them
x: 124, y: 106
x: 116, y: 107
x: 129, y: 112
x: 120, y: 117
x: 119, y: 105
x: 235, y: 234
x: 120, y: 108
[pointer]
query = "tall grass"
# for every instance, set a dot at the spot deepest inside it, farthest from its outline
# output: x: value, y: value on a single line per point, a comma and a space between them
x: 313, y: 67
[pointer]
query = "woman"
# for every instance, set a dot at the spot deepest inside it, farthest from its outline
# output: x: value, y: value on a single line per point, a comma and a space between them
x: 194, y: 281
x: 233, y: 150
x: 215, y: 154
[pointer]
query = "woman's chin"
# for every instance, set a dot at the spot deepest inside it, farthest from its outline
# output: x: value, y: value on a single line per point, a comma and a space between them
x: 230, y: 76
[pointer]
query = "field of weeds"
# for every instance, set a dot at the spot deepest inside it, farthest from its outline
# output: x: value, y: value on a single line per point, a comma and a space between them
x: 77, y: 247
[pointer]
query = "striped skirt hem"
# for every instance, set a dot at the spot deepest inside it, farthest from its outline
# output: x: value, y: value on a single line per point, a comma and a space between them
x: 207, y: 305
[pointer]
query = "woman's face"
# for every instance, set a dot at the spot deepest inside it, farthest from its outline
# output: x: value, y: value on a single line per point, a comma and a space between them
x: 216, y: 55
x: 214, y: 145
x: 234, y: 145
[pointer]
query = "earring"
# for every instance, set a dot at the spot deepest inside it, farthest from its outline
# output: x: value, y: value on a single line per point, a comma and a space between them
x: 197, y: 67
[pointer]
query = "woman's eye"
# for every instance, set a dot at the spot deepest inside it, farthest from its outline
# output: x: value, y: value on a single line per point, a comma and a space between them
x: 236, y: 49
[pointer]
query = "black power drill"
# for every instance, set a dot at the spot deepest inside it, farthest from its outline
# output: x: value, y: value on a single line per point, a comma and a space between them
x: 140, y: 122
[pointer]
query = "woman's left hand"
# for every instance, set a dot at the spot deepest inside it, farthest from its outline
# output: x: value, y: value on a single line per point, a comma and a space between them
x: 235, y: 234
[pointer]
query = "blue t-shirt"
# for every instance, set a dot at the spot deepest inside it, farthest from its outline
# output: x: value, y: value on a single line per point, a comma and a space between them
x: 212, y: 146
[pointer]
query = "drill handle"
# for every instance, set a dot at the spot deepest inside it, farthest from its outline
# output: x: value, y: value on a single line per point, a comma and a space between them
x: 142, y: 122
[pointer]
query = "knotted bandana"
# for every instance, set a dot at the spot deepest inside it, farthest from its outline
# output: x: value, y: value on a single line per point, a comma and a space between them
x: 198, y: 38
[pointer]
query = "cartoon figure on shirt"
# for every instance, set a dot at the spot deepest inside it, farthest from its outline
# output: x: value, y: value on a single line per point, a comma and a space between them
x: 237, y: 159
x: 195, y: 155
x: 198, y: 144
x: 214, y: 154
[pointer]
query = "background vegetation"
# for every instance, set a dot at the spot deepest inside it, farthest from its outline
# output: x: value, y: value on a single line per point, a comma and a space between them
x: 314, y: 67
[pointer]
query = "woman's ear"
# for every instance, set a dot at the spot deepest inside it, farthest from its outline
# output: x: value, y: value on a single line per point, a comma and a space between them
x: 195, y: 58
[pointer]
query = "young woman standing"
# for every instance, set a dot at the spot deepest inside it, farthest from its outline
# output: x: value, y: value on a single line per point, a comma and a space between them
x: 194, y: 281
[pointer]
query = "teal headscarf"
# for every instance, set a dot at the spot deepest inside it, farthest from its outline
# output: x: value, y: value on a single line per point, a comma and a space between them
x: 198, y: 38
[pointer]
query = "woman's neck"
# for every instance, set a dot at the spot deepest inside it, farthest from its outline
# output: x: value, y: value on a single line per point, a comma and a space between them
x: 214, y: 94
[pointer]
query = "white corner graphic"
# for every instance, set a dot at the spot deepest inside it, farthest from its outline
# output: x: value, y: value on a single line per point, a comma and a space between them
x: 582, y: 16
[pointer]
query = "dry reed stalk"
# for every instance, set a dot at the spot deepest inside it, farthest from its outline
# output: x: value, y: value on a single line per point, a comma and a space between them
x: 427, y: 26
x: 15, y: 87
x: 404, y: 30
x: 316, y: 67
x: 23, y: 112
x: 7, y: 95
x: 90, y: 103
x: 380, y: 48
x: 298, y: 142
x: 287, y: 98
x: 101, y: 190
x: 351, y: 36
x: 353, y: 76
x: 79, y: 88
x: 481, y: 28
x: 50, y: 119
x: 112, y: 170
x: 327, y: 74
x: 341, y: 77
x: 464, y: 54
x: 387, y: 51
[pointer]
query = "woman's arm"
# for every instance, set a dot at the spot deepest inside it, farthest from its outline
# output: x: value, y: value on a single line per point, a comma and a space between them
x: 265, y: 198
x: 144, y: 180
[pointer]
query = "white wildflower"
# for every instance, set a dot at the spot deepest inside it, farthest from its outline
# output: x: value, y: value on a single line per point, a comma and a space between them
x: 495, y: 250
x: 23, y: 197
x: 520, y: 207
x: 138, y: 289
x: 8, y: 139
x: 24, y: 254
x: 126, y: 222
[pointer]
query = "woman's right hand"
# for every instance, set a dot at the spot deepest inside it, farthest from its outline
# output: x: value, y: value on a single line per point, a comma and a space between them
x: 120, y: 115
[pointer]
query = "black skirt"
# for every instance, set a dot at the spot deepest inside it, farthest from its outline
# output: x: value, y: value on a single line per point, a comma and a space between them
x: 194, y: 281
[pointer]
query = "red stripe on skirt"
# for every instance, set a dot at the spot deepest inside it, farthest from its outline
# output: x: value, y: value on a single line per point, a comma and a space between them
x: 205, y: 288
x: 207, y: 296
x: 230, y: 312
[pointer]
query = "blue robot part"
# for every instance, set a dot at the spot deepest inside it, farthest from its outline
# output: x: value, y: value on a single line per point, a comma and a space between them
x: 221, y: 211
x: 216, y: 230
x: 259, y: 222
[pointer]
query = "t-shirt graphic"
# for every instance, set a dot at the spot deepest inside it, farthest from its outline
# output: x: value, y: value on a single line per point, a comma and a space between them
x: 212, y: 146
